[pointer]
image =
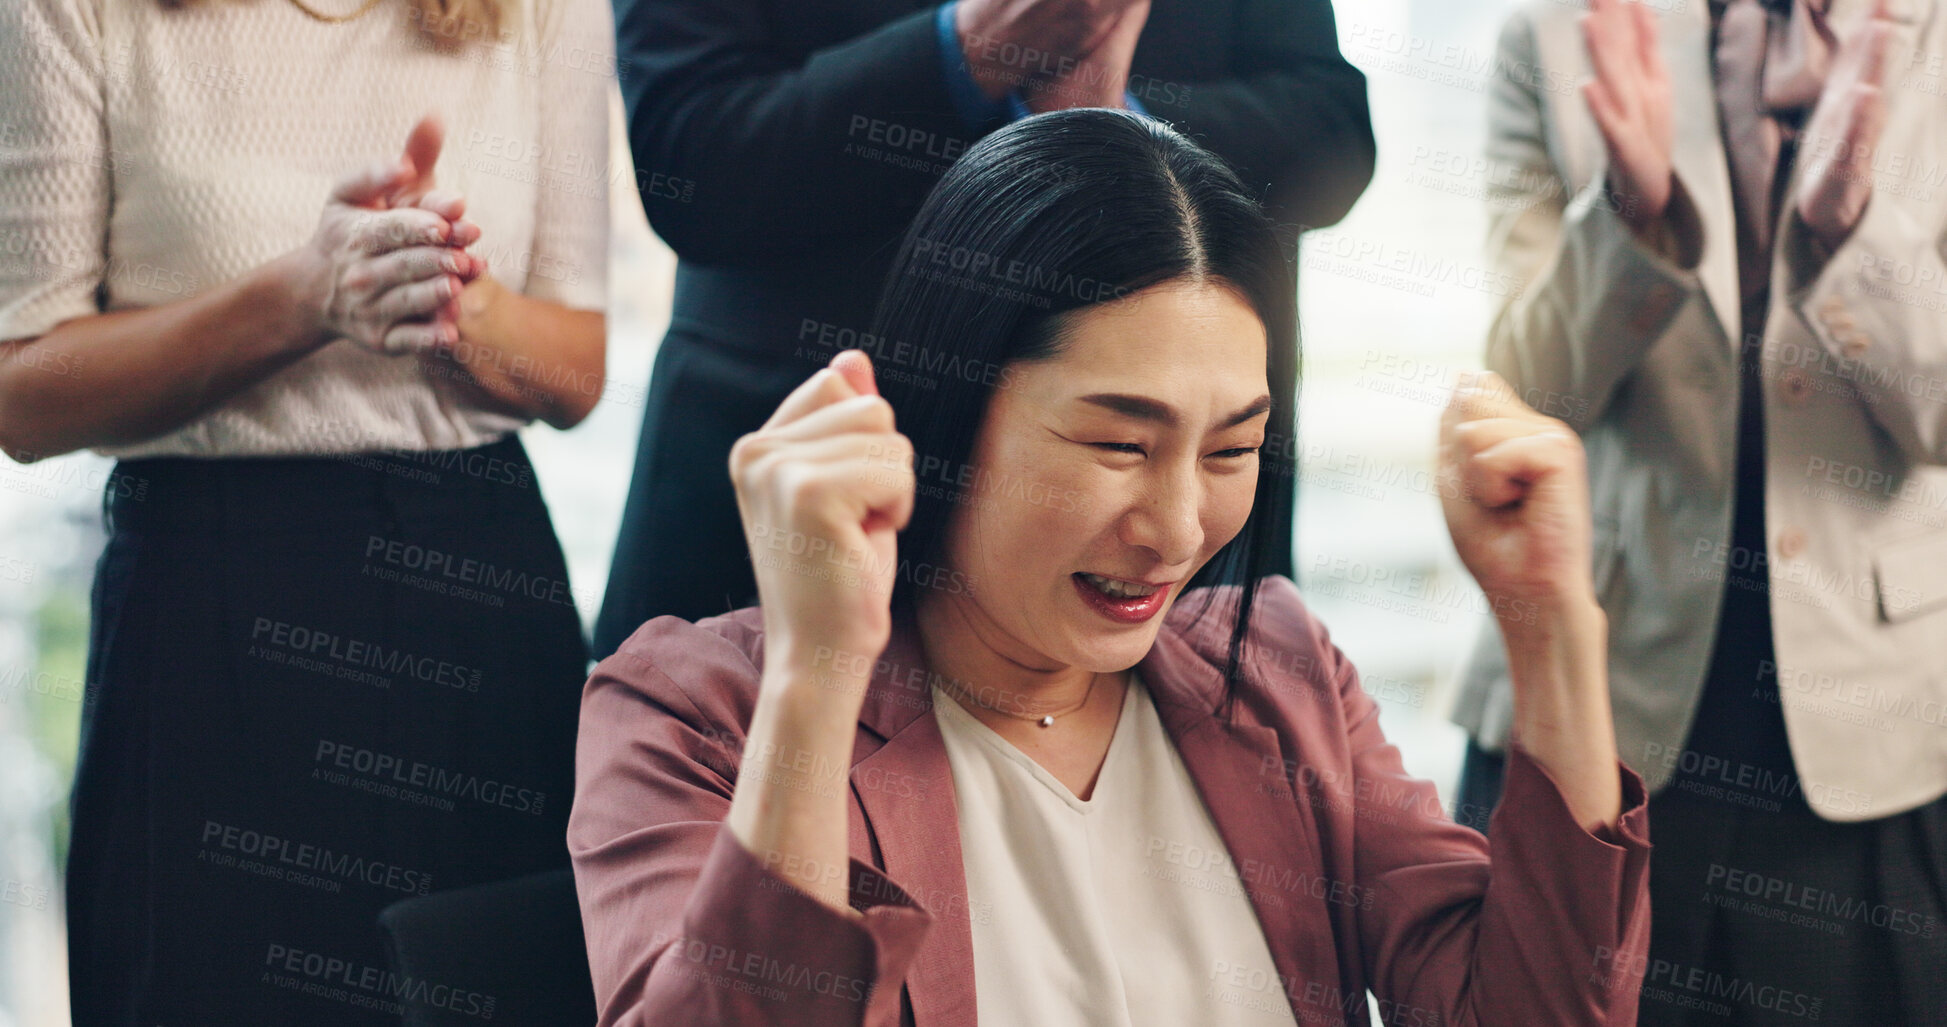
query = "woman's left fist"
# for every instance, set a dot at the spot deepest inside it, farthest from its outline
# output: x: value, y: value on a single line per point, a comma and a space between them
x: 1514, y: 487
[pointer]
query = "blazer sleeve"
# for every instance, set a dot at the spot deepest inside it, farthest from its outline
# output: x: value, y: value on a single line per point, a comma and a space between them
x: 1551, y: 930
x: 1593, y: 297
x: 755, y: 153
x: 1291, y: 116
x: 685, y: 927
x: 1878, y: 304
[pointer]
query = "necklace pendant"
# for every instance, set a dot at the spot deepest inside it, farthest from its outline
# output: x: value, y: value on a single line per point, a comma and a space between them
x: 1048, y: 721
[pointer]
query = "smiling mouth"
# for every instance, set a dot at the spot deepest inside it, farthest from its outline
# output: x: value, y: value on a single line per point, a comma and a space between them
x: 1116, y: 588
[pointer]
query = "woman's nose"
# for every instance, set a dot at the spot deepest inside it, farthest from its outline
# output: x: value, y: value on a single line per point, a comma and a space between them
x: 1164, y: 517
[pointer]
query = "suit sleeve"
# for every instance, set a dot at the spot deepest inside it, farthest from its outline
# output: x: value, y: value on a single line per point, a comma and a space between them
x: 1550, y: 930
x: 1592, y: 296
x: 685, y: 927
x: 1878, y: 304
x: 1291, y: 117
x: 757, y: 153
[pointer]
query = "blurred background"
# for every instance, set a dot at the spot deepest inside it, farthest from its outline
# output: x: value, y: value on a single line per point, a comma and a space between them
x: 1394, y: 301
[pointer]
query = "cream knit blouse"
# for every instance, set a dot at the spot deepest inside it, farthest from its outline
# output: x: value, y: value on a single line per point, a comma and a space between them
x: 149, y: 153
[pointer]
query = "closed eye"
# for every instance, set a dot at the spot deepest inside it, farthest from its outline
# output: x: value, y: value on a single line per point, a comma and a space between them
x: 1130, y: 449
x: 1240, y: 451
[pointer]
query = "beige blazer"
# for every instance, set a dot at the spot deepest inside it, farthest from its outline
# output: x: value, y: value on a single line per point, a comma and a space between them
x: 1639, y: 354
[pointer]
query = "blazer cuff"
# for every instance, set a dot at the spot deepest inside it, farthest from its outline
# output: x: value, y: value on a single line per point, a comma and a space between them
x: 1863, y: 299
x: 752, y: 930
x: 1592, y: 888
x: 1535, y: 798
x: 1631, y: 283
x: 976, y: 111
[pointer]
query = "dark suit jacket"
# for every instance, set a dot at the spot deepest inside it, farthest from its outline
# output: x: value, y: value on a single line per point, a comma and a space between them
x: 747, y: 117
x: 781, y: 148
x: 1361, y: 879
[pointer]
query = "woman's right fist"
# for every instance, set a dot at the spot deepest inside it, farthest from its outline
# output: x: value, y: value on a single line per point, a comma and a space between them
x: 823, y: 489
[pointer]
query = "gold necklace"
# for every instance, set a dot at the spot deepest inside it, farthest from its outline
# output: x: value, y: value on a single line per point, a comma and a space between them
x: 334, y: 19
x: 1046, y: 719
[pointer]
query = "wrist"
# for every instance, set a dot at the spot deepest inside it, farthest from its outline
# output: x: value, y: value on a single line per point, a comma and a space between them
x: 1551, y: 621
x: 1643, y: 214
x: 1640, y: 200
x: 1064, y: 91
x: 978, y: 49
x: 297, y: 288
x: 1827, y: 233
x: 479, y: 301
x: 822, y: 685
x: 1558, y: 666
x: 807, y: 711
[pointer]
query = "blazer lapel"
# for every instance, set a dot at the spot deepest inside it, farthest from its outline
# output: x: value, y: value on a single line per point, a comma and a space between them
x: 906, y: 805
x: 1700, y: 161
x: 907, y: 811
x: 1244, y: 776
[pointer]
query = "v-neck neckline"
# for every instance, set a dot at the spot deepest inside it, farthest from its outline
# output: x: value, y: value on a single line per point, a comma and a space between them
x: 1118, y: 741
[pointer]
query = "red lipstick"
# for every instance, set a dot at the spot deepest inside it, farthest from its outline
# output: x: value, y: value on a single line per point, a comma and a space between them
x: 1130, y: 610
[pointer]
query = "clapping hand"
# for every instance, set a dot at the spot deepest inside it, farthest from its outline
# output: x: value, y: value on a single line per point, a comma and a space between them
x: 387, y: 262
x: 1630, y: 101
x: 1843, y: 133
x: 1056, y: 53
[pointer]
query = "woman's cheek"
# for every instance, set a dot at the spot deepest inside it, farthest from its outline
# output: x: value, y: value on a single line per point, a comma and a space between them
x: 1056, y: 507
x: 1030, y: 510
x: 1228, y: 504
x: 1090, y: 498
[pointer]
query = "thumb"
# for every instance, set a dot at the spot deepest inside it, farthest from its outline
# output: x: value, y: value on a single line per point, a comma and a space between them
x: 422, y: 152
x: 370, y: 186
x: 1872, y: 69
x: 856, y: 368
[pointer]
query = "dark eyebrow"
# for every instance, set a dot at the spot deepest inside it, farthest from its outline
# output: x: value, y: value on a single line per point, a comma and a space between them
x: 1142, y: 408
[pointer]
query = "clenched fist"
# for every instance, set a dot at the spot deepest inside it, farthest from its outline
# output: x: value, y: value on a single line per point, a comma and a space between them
x: 1515, y: 491
x: 823, y: 489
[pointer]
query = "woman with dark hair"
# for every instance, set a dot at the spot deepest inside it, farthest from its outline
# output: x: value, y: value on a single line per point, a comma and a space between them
x: 970, y: 760
x: 333, y: 657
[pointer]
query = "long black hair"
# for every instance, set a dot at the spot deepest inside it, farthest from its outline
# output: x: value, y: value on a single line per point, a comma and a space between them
x: 1044, y: 217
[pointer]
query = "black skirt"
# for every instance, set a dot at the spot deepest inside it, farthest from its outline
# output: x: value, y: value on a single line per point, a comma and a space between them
x: 317, y: 686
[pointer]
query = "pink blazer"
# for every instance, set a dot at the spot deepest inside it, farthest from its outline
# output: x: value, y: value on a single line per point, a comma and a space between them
x: 1358, y: 877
